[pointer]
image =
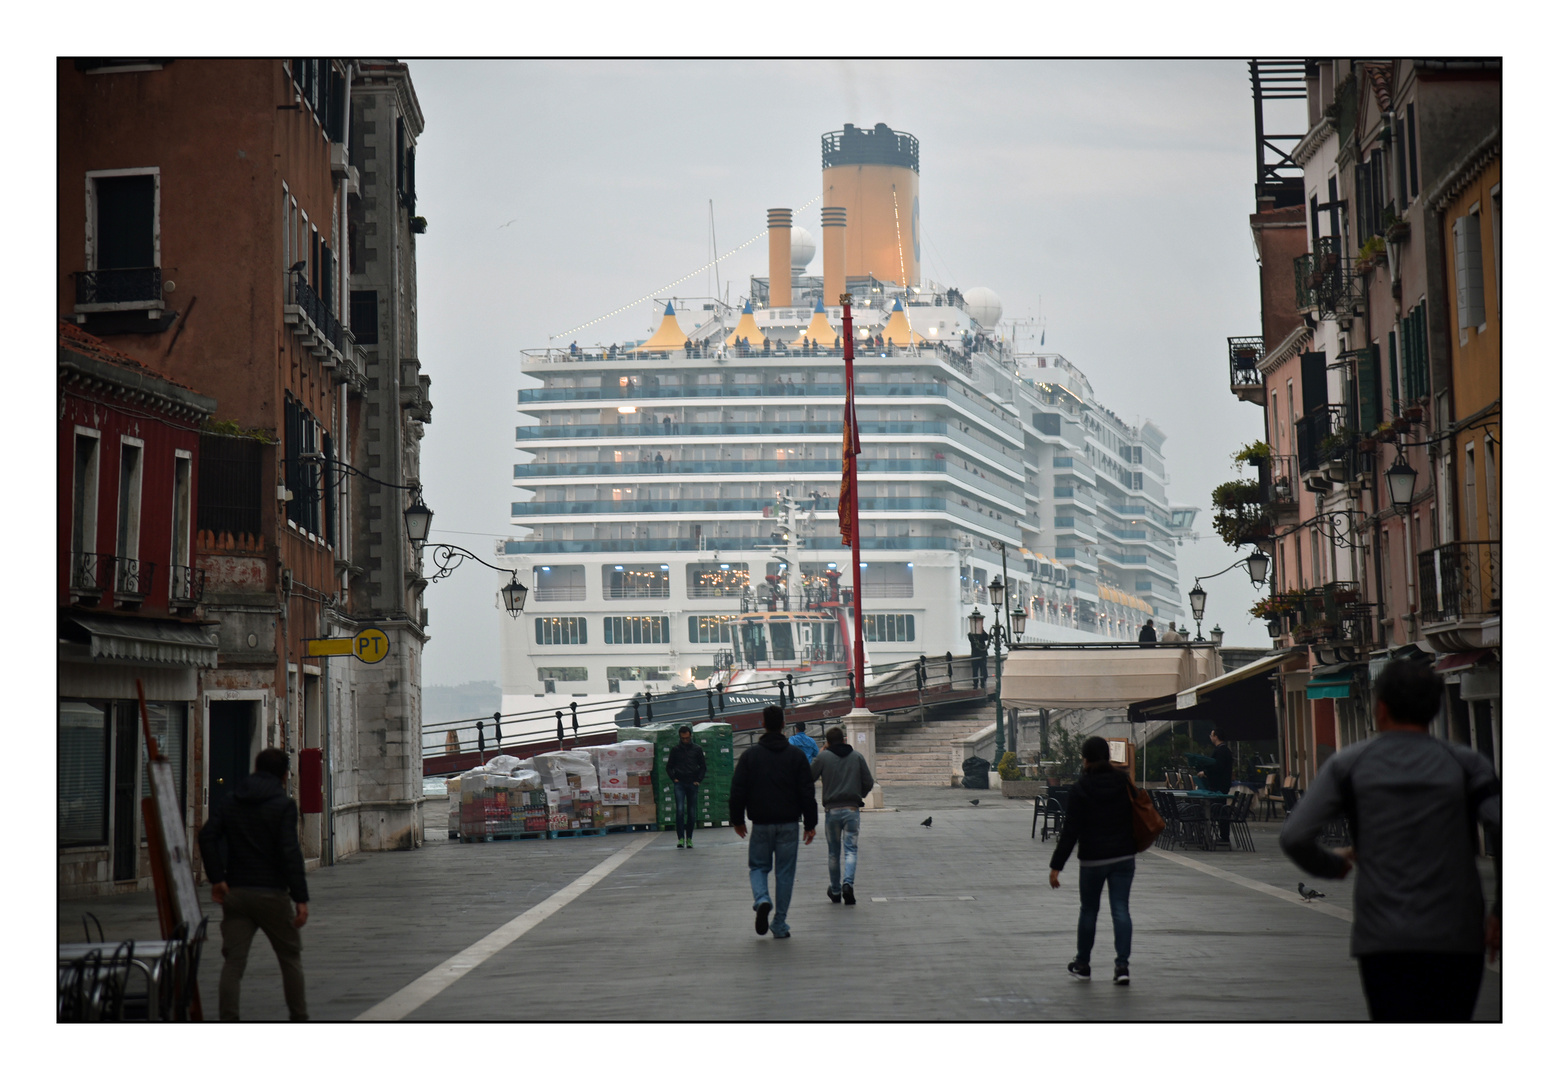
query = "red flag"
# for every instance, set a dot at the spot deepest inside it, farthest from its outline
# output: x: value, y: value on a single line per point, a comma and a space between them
x: 851, y: 448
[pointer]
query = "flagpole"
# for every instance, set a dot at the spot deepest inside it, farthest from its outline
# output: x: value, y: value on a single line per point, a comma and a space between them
x: 853, y: 495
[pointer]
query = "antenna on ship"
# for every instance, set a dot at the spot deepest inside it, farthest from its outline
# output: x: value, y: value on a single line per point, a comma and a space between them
x: 714, y: 247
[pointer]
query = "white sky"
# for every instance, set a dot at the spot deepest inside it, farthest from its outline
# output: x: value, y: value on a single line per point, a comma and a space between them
x: 1110, y: 197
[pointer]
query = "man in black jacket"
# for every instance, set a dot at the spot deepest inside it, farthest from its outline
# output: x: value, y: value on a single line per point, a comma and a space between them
x: 772, y: 785
x: 685, y: 767
x: 1098, y: 822
x: 252, y: 874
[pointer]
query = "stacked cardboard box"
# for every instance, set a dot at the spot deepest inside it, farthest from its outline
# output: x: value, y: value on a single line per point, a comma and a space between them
x: 494, y: 803
x: 626, y: 772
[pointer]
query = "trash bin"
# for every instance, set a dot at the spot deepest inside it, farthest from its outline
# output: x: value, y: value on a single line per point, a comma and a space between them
x: 977, y: 773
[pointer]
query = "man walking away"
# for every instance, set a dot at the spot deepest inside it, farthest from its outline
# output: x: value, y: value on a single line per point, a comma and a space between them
x: 1147, y: 635
x: 1098, y: 821
x: 772, y: 785
x: 685, y: 766
x: 252, y: 874
x: 1412, y: 803
x: 846, y: 780
x: 804, y: 742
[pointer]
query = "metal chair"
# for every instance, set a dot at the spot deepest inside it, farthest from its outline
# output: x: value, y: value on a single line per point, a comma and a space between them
x: 1055, y: 812
x: 72, y: 987
x: 1239, y: 823
x: 87, y: 930
x: 1290, y: 794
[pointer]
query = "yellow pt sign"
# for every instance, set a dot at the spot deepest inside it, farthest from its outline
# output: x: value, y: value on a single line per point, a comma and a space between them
x: 371, y: 646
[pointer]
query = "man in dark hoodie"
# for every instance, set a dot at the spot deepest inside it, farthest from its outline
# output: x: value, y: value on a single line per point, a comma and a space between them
x: 772, y: 785
x: 686, y: 767
x: 251, y: 853
x: 1098, y: 822
x: 846, y: 780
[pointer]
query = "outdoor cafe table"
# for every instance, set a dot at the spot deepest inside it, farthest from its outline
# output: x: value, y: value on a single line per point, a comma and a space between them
x: 1203, y: 800
x: 148, y: 957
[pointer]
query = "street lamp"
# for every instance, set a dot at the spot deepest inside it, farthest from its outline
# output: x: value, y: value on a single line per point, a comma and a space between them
x: 976, y: 622
x: 1400, y: 479
x: 1198, y: 606
x: 419, y: 520
x: 1257, y: 565
x: 997, y: 589
x: 1217, y: 635
x: 1019, y: 619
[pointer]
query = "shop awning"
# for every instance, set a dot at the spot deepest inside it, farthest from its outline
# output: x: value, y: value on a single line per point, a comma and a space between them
x: 1239, y: 702
x: 1099, y: 678
x: 142, y: 641
x: 1462, y: 661
x: 1331, y: 681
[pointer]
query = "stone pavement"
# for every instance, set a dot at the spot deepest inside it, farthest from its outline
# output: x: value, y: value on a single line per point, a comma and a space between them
x: 955, y: 922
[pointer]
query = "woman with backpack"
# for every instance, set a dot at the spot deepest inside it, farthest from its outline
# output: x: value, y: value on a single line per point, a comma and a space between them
x: 1099, y: 824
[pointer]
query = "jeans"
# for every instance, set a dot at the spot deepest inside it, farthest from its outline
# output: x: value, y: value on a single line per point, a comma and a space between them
x: 687, y: 802
x: 843, y: 829
x: 773, y: 846
x: 1090, y: 883
x: 243, y: 912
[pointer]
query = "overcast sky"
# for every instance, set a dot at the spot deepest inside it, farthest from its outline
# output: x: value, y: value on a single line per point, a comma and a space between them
x: 1109, y: 198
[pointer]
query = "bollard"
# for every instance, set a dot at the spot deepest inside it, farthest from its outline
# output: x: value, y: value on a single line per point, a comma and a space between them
x: 497, y: 731
x: 573, y: 707
x: 636, y: 709
x: 851, y: 674
x: 949, y: 671
x: 560, y: 728
x: 791, y: 679
x: 720, y: 690
x: 649, y: 706
x: 481, y: 742
x: 920, y: 674
x: 710, y: 702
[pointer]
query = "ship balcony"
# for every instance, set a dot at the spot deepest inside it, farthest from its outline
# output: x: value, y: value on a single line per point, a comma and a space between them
x: 1459, y: 595
x: 1245, y: 381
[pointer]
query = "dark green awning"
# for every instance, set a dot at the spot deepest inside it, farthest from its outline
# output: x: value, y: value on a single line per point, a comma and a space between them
x: 1330, y: 686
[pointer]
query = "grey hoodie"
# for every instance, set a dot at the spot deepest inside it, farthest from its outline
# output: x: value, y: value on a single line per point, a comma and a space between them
x: 846, y: 779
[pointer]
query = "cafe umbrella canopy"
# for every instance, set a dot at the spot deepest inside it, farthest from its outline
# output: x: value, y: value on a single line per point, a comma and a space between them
x: 1240, y: 703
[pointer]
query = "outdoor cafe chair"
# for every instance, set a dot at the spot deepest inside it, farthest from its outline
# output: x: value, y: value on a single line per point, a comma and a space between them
x: 1055, y: 813
x: 1239, y: 826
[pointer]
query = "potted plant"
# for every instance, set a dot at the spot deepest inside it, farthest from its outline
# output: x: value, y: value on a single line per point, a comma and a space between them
x: 1013, y: 785
x: 1372, y: 252
x: 1414, y: 414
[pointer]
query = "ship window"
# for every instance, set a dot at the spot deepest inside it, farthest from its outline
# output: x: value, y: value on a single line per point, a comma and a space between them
x: 709, y: 629
x: 638, y: 629
x: 782, y: 636
x: 890, y: 627
x: 561, y: 631
x: 562, y: 674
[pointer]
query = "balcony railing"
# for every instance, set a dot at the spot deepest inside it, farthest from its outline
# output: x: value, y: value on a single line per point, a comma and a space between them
x: 1459, y: 581
x: 1312, y: 431
x: 558, y: 592
x: 887, y: 590
x: 639, y: 592
x: 1244, y: 354
x: 137, y: 286
x: 318, y: 313
x: 188, y: 586
x: 86, y: 575
x: 1324, y: 280
x: 132, y: 579
x: 1280, y: 481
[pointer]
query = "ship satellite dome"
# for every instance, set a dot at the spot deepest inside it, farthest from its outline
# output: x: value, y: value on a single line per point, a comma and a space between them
x: 984, y: 306
x: 802, y: 247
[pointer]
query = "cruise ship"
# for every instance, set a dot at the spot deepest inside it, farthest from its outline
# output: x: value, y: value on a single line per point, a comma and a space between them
x: 675, y: 497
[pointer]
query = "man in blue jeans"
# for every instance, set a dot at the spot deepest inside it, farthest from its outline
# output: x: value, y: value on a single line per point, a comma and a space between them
x: 772, y: 785
x: 685, y: 766
x: 846, y: 780
x: 1098, y: 824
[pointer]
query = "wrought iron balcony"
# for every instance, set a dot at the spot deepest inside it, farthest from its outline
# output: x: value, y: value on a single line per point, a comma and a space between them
x: 86, y: 576
x: 1280, y: 482
x: 1324, y: 280
x: 119, y: 289
x: 318, y: 313
x: 189, y: 585
x: 1245, y: 381
x: 1459, y: 581
x: 132, y: 580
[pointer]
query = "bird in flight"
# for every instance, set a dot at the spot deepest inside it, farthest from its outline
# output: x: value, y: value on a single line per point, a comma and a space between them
x: 1309, y: 894
x: 506, y: 224
x: 927, y: 823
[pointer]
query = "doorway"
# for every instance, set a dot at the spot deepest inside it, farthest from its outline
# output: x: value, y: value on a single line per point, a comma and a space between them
x: 232, y: 727
x: 127, y: 784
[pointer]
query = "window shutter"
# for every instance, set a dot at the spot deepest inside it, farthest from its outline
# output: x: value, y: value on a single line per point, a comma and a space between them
x: 1473, y: 238
x: 329, y: 484
x: 1412, y: 150
x: 1369, y: 389
x: 1459, y: 236
x: 1391, y: 358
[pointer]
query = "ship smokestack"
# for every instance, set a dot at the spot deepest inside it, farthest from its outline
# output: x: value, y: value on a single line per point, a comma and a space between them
x: 874, y: 173
x: 779, y: 258
x: 833, y: 250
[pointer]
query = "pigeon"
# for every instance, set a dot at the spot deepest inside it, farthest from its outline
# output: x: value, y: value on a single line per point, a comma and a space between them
x: 974, y: 802
x: 927, y: 823
x: 1309, y: 894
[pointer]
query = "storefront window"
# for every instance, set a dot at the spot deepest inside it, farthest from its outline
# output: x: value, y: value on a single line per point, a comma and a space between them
x: 82, y: 774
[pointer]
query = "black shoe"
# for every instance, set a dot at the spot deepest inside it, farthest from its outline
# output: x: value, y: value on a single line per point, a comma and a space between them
x: 1078, y: 971
x: 761, y: 923
x: 835, y: 897
x: 849, y: 895
x: 1122, y: 975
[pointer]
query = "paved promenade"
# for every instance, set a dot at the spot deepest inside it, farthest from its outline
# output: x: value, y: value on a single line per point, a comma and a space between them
x: 955, y: 922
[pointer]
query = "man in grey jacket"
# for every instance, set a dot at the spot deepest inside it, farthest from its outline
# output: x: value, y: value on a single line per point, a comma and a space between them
x: 846, y: 780
x: 1412, y: 803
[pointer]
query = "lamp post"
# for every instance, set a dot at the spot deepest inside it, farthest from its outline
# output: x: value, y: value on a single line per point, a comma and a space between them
x: 1256, y: 564
x: 998, y: 591
x: 419, y: 520
x: 1400, y: 479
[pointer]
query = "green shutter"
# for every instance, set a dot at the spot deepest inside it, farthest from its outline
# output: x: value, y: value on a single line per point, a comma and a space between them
x: 1369, y: 389
x: 1391, y: 356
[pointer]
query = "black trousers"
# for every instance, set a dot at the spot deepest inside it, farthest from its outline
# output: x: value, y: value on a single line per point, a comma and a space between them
x: 977, y: 671
x: 1421, y: 986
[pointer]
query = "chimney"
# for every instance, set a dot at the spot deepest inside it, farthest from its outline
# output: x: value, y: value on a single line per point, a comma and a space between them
x: 779, y: 258
x: 833, y: 254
